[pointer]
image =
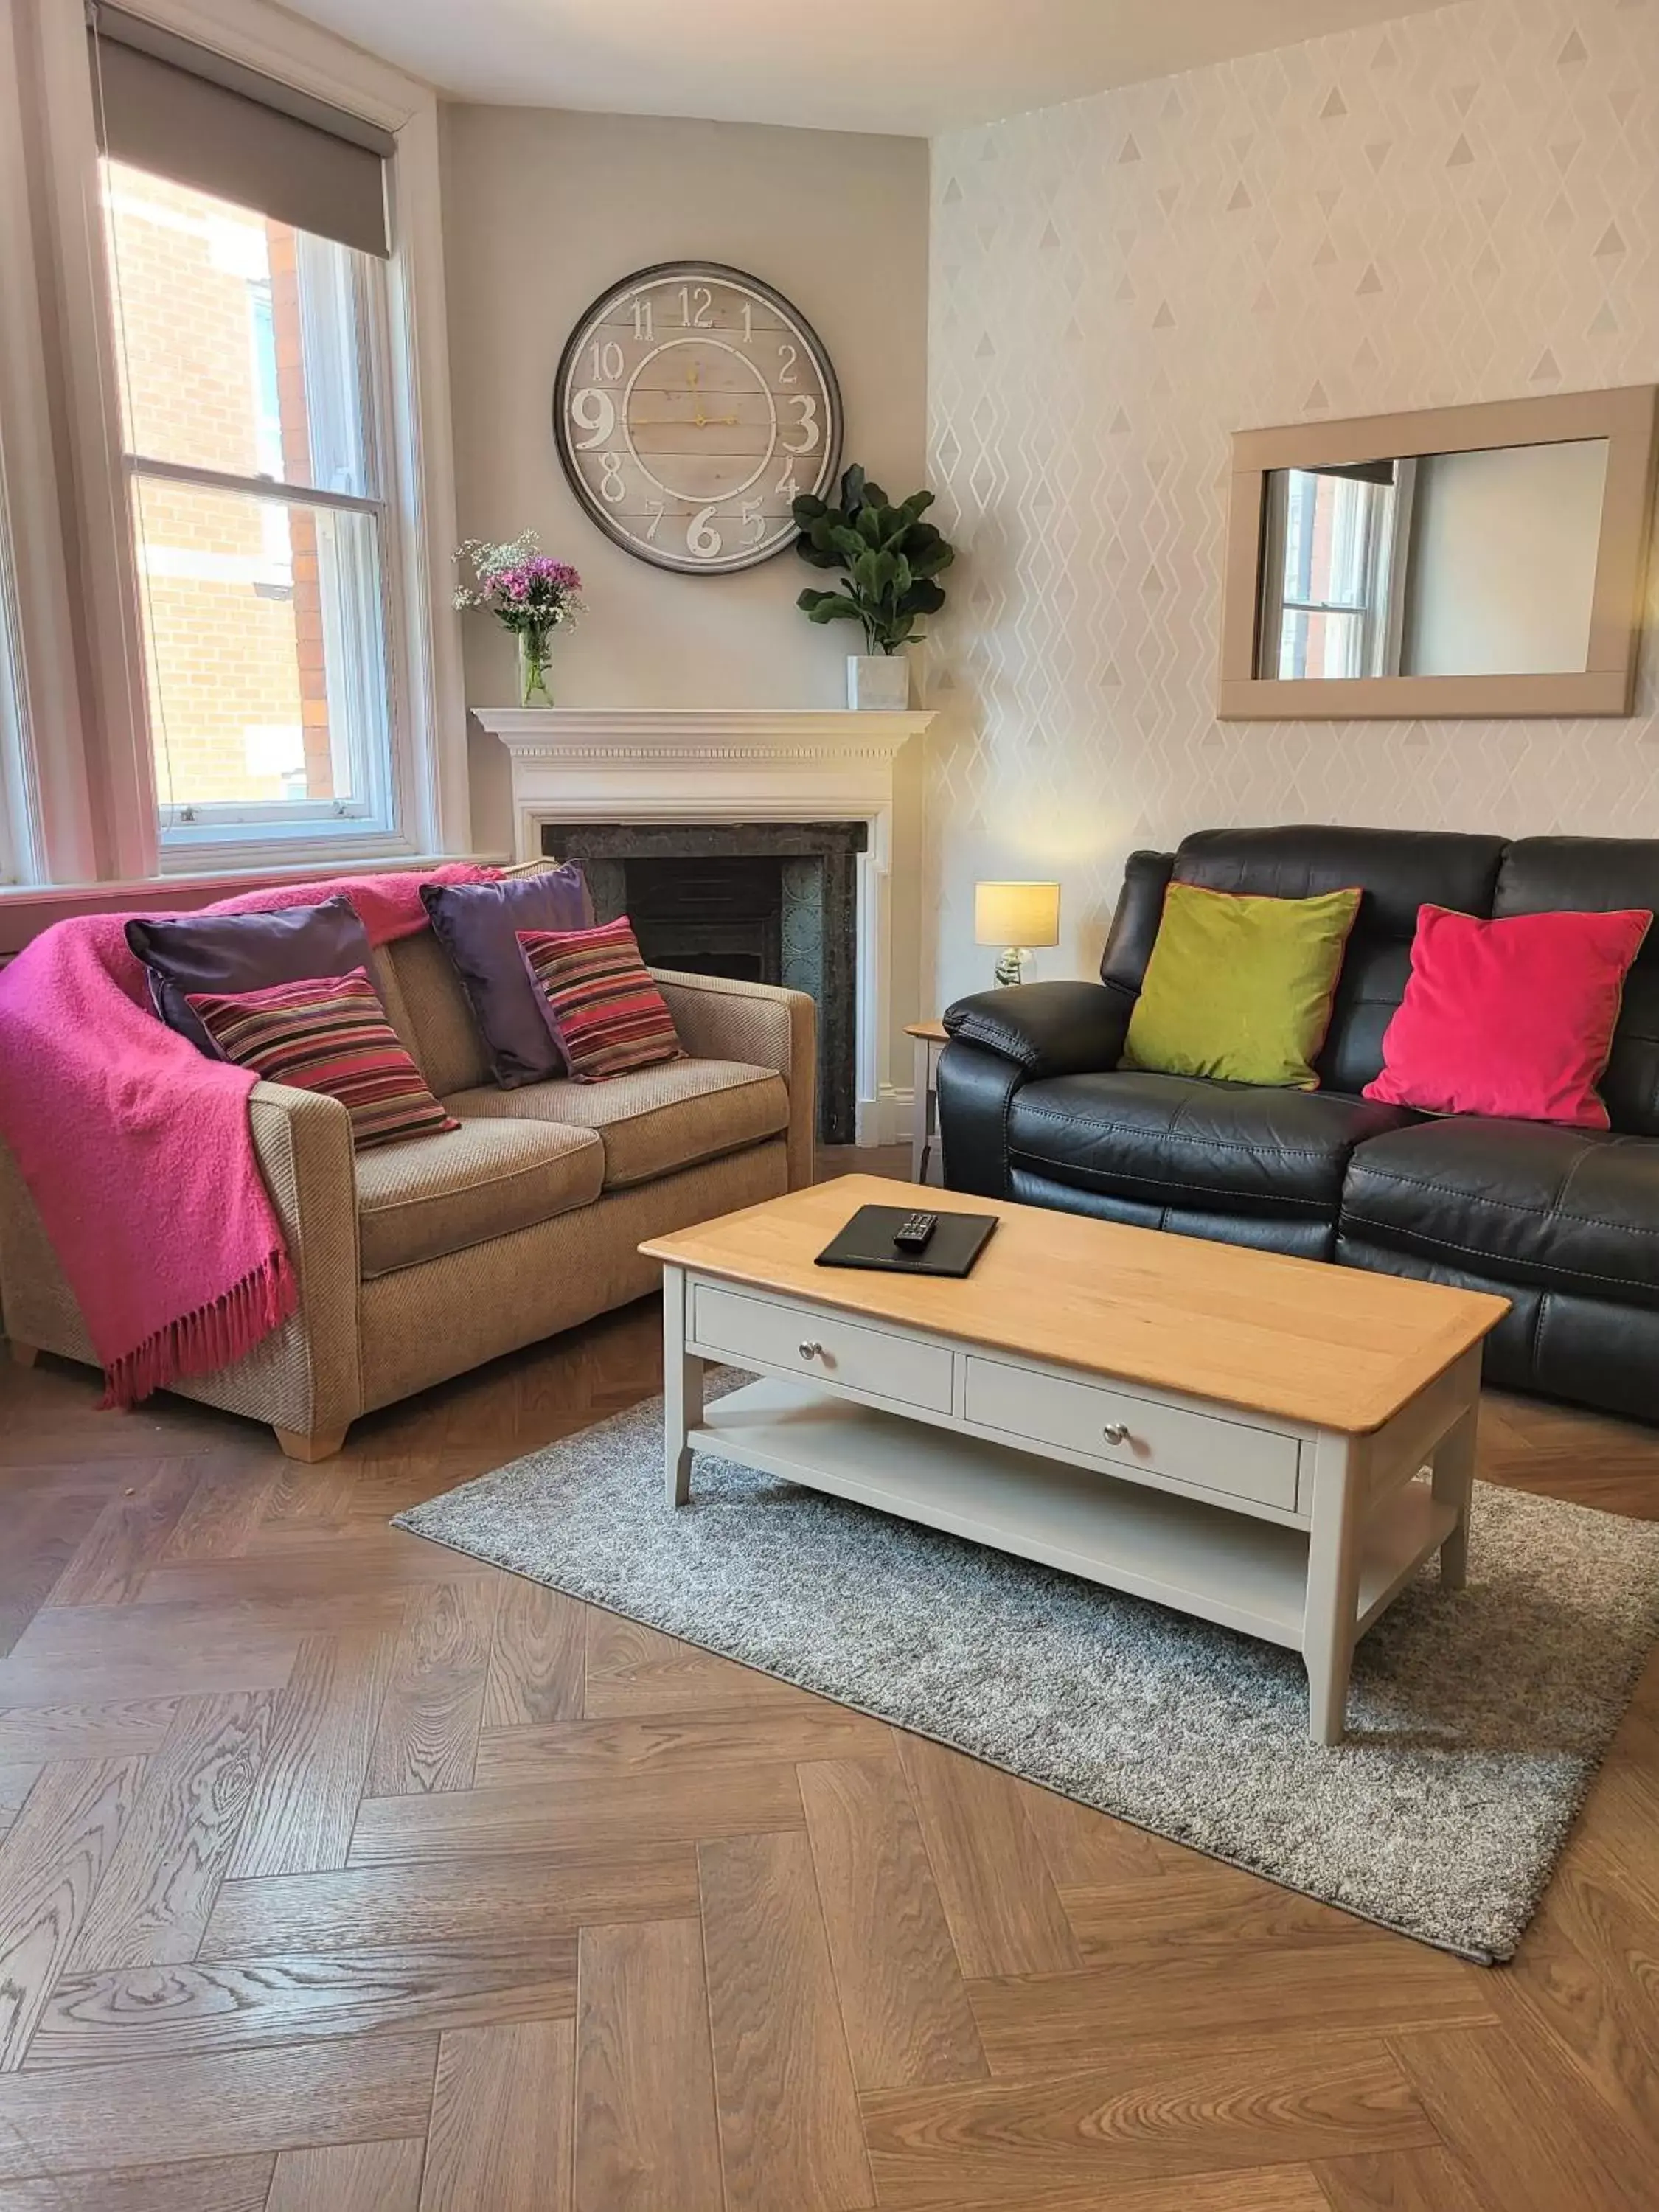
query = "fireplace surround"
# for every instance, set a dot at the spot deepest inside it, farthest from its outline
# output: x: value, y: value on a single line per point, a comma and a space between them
x: 766, y: 902
x: 733, y: 773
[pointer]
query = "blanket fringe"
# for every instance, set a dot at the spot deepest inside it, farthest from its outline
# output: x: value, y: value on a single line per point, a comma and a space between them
x: 213, y: 1336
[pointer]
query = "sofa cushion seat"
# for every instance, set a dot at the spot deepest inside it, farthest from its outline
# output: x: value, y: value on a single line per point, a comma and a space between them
x: 419, y: 1200
x: 653, y: 1121
x: 1184, y: 1141
x: 1520, y: 1202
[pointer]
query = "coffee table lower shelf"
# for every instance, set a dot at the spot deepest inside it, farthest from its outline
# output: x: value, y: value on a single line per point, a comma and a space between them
x: 1221, y: 1566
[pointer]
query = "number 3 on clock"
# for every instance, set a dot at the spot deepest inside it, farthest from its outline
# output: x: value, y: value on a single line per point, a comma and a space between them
x: 807, y: 409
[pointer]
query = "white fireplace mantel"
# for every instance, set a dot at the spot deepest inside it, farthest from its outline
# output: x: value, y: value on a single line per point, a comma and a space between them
x: 730, y: 764
x: 693, y: 763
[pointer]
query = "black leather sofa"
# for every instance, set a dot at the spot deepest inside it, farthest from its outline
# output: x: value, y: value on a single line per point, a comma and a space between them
x: 1564, y: 1222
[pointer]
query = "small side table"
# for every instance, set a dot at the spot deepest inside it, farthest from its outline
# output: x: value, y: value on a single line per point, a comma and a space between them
x: 930, y: 1040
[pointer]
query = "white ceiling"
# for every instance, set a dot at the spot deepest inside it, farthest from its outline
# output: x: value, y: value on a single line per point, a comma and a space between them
x: 911, y: 66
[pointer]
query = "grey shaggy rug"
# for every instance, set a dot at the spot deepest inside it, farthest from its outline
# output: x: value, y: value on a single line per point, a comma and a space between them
x: 1476, y: 1722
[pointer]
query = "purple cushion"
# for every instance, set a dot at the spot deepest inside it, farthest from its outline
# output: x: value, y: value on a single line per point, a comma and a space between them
x: 478, y: 926
x: 227, y: 953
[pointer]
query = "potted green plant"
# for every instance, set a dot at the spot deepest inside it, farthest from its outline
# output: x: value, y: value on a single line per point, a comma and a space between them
x: 890, y: 558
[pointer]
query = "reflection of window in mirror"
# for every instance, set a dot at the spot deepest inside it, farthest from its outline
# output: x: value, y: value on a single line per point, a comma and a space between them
x: 1331, y: 556
x: 1452, y: 564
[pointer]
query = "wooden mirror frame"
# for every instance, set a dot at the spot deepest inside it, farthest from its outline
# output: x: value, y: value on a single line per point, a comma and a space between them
x: 1625, y: 416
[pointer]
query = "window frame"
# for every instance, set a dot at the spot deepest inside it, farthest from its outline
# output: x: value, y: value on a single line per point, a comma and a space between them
x: 205, y: 825
x: 51, y: 829
x: 19, y: 804
x: 429, y: 812
x: 372, y: 817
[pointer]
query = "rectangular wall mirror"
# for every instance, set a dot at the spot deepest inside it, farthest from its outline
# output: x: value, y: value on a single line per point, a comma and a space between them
x: 1465, y: 560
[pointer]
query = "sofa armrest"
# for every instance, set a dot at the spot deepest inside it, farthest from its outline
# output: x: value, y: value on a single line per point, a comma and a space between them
x: 303, y: 1377
x: 1047, y: 1029
x: 302, y: 1142
x: 975, y: 1089
x: 36, y: 1303
x: 762, y: 1026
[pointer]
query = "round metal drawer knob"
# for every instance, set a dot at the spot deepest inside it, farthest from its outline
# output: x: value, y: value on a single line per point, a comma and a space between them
x: 1115, y: 1433
x: 811, y: 1351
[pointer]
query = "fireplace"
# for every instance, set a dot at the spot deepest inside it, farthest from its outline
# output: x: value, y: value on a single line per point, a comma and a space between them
x: 763, y: 901
x: 810, y: 788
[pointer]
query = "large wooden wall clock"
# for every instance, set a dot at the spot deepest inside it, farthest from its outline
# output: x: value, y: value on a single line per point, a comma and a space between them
x: 693, y: 405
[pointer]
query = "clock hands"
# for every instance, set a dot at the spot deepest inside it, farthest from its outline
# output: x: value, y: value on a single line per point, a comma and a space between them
x: 700, y: 421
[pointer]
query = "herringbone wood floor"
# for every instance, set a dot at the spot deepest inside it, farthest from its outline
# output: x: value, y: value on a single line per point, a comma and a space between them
x: 340, y: 1875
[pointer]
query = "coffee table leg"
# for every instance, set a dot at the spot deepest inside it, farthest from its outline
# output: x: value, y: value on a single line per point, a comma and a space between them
x: 1332, y: 1605
x: 1454, y: 1485
x: 682, y: 1388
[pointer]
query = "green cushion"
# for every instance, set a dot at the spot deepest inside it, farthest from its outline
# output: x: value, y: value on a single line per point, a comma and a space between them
x: 1240, y: 988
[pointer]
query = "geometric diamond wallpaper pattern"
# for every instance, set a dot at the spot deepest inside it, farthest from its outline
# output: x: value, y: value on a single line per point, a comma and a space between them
x: 1457, y: 206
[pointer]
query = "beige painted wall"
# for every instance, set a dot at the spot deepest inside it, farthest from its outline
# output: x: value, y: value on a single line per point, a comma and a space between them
x: 1462, y: 205
x: 542, y: 210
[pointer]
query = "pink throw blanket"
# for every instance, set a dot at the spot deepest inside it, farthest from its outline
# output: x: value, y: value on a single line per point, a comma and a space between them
x: 136, y: 1149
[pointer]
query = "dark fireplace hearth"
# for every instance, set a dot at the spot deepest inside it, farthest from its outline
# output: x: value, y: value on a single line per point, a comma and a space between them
x: 763, y: 901
x: 711, y: 916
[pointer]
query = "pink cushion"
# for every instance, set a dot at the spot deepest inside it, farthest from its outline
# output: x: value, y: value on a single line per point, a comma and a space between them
x: 599, y: 1000
x: 1512, y: 1018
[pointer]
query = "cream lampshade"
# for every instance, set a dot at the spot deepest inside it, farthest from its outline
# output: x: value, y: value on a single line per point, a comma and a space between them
x: 1015, y: 916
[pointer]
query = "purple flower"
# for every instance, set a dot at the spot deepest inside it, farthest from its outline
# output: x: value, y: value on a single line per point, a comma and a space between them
x: 540, y: 578
x: 522, y: 586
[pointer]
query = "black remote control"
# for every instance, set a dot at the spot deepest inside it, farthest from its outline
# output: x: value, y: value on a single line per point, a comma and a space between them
x: 913, y: 1231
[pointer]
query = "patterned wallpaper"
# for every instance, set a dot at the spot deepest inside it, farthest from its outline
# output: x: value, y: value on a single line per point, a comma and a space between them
x: 1457, y: 206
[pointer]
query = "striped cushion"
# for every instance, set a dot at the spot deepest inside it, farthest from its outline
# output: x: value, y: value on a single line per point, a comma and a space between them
x: 330, y: 1035
x: 601, y: 1004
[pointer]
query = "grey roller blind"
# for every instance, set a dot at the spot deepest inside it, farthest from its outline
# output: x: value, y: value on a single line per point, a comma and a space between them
x: 166, y: 104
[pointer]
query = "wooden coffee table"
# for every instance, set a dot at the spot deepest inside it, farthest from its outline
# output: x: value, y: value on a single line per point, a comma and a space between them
x: 1276, y: 1444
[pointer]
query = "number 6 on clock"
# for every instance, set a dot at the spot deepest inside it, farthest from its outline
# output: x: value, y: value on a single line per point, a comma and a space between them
x: 702, y: 537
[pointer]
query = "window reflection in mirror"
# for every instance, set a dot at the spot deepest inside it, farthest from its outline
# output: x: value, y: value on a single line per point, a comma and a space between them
x: 1450, y: 564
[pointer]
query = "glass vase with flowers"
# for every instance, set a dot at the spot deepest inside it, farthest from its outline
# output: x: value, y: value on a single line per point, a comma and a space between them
x: 530, y: 594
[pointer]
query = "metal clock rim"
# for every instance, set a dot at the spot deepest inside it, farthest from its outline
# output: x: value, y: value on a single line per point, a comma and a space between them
x: 656, y: 272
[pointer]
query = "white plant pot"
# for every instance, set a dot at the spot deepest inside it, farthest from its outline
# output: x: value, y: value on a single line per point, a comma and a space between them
x: 879, y: 683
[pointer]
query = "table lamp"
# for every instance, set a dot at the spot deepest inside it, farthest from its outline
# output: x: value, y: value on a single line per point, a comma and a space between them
x: 1015, y: 916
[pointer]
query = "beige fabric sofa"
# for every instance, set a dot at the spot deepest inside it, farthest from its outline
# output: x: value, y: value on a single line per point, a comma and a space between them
x: 419, y: 1261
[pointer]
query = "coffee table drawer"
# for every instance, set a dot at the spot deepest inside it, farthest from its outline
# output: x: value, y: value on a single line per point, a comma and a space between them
x: 1204, y: 1450
x: 799, y: 1339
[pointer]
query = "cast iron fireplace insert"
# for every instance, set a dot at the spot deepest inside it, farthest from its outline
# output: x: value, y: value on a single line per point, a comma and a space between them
x: 762, y: 902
